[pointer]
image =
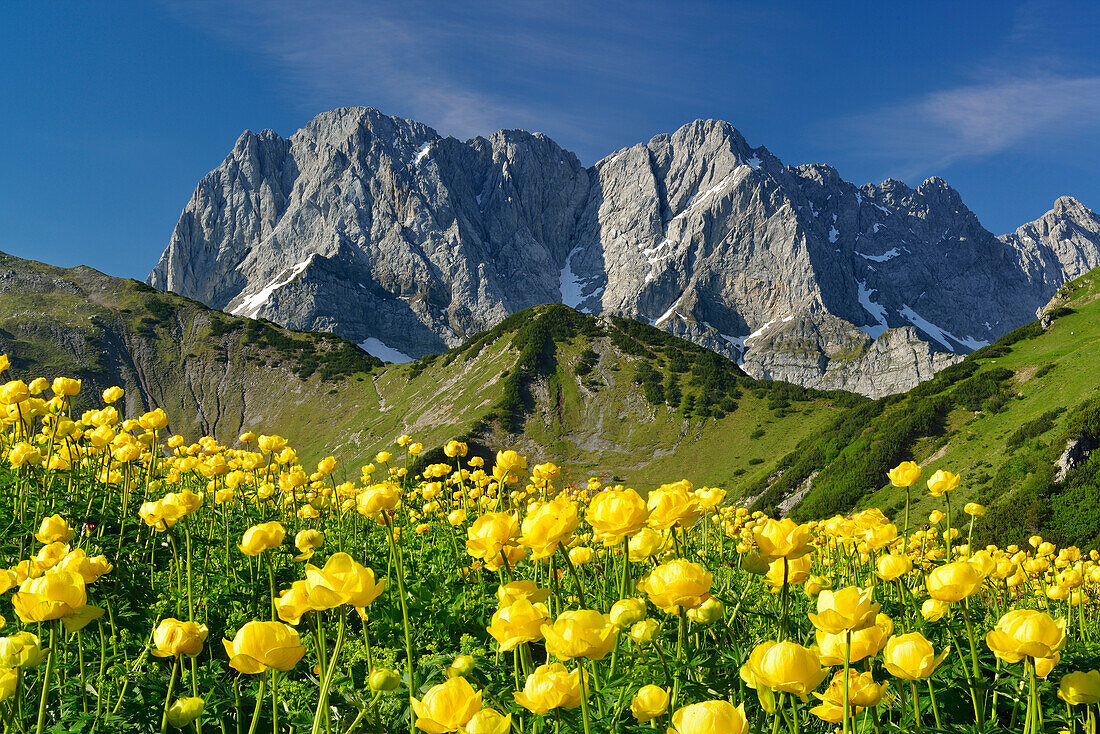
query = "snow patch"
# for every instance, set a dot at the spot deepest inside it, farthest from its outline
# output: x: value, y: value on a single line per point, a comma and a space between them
x: 664, y: 317
x: 754, y: 162
x: 877, y: 311
x: 941, y: 335
x: 859, y: 199
x: 876, y: 227
x: 888, y: 255
x: 569, y: 284
x: 252, y: 304
x: 421, y: 154
x: 377, y: 348
x: 833, y: 234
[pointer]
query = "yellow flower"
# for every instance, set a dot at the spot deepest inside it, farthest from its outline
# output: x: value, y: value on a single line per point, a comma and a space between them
x: 307, y: 542
x: 259, y: 646
x: 54, y: 529
x: 850, y: 608
x: 462, y: 665
x: 644, y: 544
x: 112, y: 394
x: 941, y: 482
x: 580, y: 555
x: 710, y: 717
x: 185, y: 710
x: 798, y: 570
x: 54, y: 595
x: 259, y: 538
x: 551, y: 686
x: 303, y: 597
x: 782, y: 538
x: 580, y: 634
x: 378, y: 498
x: 519, y: 622
x: 616, y: 514
x: 455, y: 449
x: 643, y: 632
x: 649, y: 703
x: 14, y: 392
x: 524, y: 589
x: 488, y: 721
x: 21, y: 650
x: 1080, y: 688
x: 678, y: 584
x: 905, y: 474
x: 509, y: 464
x: 892, y: 566
x: 974, y: 509
x: 173, y: 637
x: 862, y: 692
x: 865, y: 643
x: 549, y: 525
x: 626, y: 612
x: 933, y: 610
x: 673, y: 504
x: 1026, y: 632
x: 24, y: 454
x: 953, y: 581
x: 9, y: 682
x: 911, y: 656
x: 65, y: 386
x: 784, y: 666
x: 447, y: 706
x: 355, y: 583
x: 489, y: 534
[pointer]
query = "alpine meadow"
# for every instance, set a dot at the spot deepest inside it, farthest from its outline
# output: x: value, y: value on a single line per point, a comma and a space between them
x: 406, y: 430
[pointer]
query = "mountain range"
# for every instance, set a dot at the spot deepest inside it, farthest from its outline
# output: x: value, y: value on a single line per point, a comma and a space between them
x: 407, y: 243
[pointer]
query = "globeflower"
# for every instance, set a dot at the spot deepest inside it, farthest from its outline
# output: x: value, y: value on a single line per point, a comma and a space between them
x: 678, y: 584
x: 850, y: 608
x: 447, y: 706
x: 673, y: 504
x: 580, y: 634
x: 784, y: 666
x: 173, y: 637
x: 942, y: 482
x: 616, y: 514
x: 354, y: 583
x: 519, y: 622
x: 489, y: 534
x: 259, y: 646
x: 54, y: 529
x: 53, y: 595
x: 905, y: 474
x: 549, y: 525
x: 911, y: 656
x: 1080, y: 688
x: 953, y: 582
x: 378, y: 498
x: 1026, y: 633
x: 782, y: 538
x: 865, y: 643
x: 649, y: 703
x: 259, y: 538
x: 710, y: 717
x: 551, y: 686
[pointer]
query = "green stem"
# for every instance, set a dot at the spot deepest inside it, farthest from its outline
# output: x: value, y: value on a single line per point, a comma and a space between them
x: 168, y: 695
x: 259, y: 704
x: 50, y: 662
x: 399, y: 567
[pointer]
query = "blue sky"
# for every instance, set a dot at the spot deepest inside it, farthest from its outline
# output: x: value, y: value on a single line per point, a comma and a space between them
x: 112, y: 112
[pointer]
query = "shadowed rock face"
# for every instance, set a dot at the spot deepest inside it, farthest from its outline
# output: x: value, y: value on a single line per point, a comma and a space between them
x: 377, y: 228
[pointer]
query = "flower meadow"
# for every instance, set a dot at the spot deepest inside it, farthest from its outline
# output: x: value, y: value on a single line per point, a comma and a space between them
x: 150, y: 584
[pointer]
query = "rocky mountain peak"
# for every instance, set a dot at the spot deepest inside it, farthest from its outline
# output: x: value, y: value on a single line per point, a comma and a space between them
x: 405, y: 242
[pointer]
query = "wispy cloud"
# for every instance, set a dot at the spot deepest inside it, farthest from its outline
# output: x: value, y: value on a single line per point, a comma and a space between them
x: 466, y: 68
x: 979, y: 119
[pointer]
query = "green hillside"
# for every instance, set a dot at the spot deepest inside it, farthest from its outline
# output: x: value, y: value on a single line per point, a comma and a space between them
x: 1000, y: 419
x: 600, y: 396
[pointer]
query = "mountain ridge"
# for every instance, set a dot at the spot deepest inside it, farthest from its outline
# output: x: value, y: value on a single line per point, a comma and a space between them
x: 379, y: 229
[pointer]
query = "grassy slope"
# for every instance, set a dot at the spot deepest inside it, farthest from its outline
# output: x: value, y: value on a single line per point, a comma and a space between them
x: 1054, y: 372
x: 219, y: 374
